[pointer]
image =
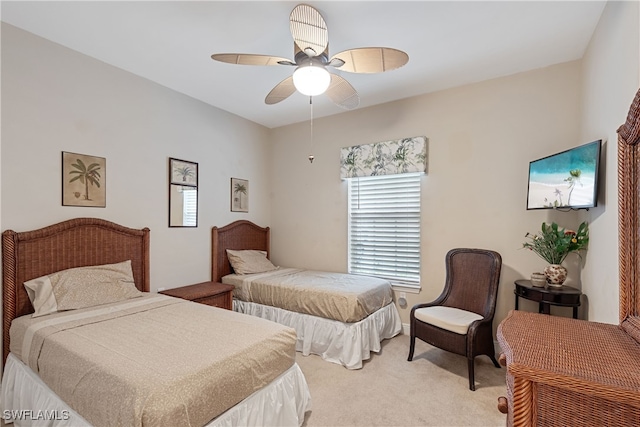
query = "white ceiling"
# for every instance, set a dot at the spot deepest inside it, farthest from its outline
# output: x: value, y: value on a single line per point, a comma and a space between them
x: 450, y: 43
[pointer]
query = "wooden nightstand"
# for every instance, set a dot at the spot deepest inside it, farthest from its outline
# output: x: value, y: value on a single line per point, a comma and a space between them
x: 209, y: 293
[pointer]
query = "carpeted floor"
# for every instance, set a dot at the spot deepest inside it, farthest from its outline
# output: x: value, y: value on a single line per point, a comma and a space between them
x: 432, y: 390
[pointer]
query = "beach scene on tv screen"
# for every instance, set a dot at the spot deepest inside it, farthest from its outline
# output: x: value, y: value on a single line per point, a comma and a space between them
x: 564, y: 180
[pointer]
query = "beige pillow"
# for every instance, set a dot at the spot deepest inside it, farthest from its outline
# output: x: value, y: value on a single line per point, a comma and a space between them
x: 82, y: 287
x: 249, y: 261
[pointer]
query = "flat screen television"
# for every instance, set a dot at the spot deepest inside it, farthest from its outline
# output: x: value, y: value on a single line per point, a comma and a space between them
x: 566, y: 180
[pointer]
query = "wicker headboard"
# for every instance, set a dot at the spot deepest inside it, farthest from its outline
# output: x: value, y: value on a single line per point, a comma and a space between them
x: 628, y: 213
x: 77, y: 242
x: 238, y: 235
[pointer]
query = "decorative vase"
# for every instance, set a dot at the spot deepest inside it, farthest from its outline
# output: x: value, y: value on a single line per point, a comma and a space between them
x: 538, y: 280
x: 556, y: 275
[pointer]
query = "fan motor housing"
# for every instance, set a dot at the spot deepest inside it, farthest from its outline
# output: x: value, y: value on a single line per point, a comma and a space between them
x: 302, y: 58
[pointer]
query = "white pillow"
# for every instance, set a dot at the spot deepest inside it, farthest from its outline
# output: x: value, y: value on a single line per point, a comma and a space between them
x: 249, y: 261
x: 81, y: 287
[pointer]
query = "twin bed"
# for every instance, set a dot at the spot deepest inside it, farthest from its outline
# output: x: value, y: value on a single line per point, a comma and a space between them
x: 140, y: 359
x: 341, y: 317
x: 84, y: 342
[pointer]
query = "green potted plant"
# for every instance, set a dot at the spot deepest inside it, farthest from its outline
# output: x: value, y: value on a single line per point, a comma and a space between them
x: 553, y: 244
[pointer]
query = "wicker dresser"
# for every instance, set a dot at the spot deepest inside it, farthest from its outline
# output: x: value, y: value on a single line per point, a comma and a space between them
x: 568, y: 372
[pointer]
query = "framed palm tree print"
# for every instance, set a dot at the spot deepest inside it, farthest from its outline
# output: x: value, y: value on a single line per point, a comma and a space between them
x: 239, y: 195
x: 84, y: 180
x: 183, y: 172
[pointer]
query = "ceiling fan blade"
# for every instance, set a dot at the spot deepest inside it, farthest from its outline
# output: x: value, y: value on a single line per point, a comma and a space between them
x: 342, y: 93
x: 281, y: 91
x: 308, y: 29
x: 250, y: 59
x: 371, y: 59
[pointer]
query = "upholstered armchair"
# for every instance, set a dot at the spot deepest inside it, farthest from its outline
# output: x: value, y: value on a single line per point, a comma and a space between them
x: 460, y: 320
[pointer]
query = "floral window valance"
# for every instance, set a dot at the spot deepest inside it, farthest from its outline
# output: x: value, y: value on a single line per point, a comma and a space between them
x: 404, y: 155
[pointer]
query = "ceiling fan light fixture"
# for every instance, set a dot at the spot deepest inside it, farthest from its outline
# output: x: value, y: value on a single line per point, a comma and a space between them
x: 311, y: 57
x: 311, y: 80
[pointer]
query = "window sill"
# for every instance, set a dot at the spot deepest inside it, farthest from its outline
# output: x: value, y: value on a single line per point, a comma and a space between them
x: 406, y: 287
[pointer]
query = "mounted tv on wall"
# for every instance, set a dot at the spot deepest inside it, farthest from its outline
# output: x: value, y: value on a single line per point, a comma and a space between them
x: 566, y: 180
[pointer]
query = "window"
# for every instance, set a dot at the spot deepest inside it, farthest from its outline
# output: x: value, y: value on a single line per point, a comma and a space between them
x: 384, y: 227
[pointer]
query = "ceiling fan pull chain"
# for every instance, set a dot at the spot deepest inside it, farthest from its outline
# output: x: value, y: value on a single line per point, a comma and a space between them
x: 311, y: 156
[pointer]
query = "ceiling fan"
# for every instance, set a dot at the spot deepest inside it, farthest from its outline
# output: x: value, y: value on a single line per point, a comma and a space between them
x: 311, y: 57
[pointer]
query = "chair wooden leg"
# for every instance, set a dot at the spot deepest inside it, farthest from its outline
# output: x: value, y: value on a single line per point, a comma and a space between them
x: 412, y: 347
x: 472, y: 380
x: 495, y: 362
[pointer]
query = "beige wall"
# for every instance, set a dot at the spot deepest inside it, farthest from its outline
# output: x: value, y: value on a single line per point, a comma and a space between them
x: 57, y: 100
x: 610, y: 81
x: 481, y: 139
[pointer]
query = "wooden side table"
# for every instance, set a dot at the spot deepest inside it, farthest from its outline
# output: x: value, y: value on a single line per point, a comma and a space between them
x: 565, y: 296
x: 210, y: 293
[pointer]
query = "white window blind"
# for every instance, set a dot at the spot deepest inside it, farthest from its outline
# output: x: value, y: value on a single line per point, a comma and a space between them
x: 384, y: 227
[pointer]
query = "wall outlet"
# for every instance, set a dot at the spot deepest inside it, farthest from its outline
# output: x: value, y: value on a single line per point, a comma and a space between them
x: 402, y: 299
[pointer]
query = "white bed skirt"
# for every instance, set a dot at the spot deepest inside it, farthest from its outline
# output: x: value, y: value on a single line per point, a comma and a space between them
x: 24, y: 395
x: 346, y: 344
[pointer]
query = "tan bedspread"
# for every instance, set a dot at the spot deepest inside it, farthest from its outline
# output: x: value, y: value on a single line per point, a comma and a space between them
x: 154, y: 360
x: 345, y: 297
